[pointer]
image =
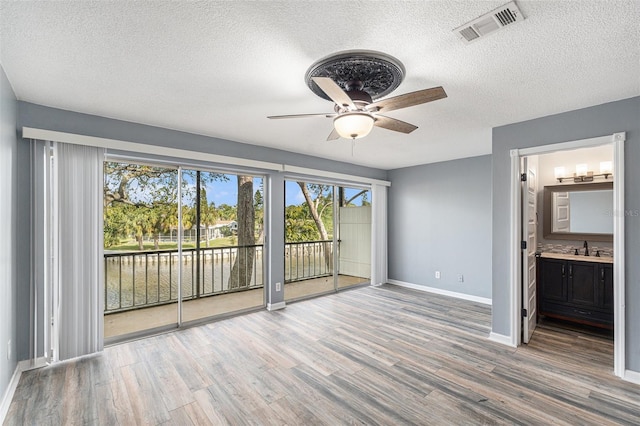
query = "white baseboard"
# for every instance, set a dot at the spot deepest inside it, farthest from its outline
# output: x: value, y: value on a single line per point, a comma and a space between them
x: 478, y: 299
x: 276, y: 306
x: 13, y: 383
x: 8, y: 394
x: 632, y: 376
x: 502, y: 339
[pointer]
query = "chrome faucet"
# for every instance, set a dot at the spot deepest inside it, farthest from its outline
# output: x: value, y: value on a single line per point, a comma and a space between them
x: 586, y: 248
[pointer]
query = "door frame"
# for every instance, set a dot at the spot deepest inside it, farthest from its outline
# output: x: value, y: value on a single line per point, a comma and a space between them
x: 617, y: 141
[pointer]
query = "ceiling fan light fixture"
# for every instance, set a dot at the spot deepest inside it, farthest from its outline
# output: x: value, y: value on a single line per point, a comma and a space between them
x: 353, y: 125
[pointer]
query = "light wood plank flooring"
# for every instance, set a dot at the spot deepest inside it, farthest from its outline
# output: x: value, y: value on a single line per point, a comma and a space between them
x: 373, y: 355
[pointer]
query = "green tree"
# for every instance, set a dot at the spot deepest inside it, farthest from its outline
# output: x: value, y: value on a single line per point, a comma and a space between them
x: 137, y: 201
x: 226, y: 212
x: 299, y: 225
x: 208, y: 214
x: 114, y: 216
x: 160, y: 219
x: 318, y: 199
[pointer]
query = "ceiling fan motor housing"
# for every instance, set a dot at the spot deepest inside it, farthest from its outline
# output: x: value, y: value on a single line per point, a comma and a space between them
x: 374, y: 73
x: 359, y: 97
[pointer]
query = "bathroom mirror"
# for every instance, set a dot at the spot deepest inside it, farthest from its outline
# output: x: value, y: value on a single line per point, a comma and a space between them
x: 578, y: 212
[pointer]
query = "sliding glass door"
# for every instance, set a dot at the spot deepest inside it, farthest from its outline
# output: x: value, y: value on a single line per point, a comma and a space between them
x: 328, y: 238
x: 140, y: 262
x: 309, y: 242
x: 222, y: 221
x: 180, y: 245
x: 354, y: 237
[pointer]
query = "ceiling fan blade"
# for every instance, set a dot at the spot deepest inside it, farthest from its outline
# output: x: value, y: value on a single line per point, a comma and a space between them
x: 277, y: 117
x: 393, y: 124
x: 408, y: 99
x: 334, y: 91
x: 333, y: 135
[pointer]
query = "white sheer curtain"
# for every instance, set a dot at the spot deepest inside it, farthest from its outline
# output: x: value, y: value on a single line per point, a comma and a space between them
x: 76, y: 234
x: 379, y: 272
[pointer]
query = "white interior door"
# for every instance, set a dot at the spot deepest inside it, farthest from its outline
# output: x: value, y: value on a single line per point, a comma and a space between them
x: 529, y: 226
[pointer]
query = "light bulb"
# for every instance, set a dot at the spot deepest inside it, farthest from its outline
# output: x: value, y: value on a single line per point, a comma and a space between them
x: 581, y: 169
x: 353, y: 125
x: 606, y: 167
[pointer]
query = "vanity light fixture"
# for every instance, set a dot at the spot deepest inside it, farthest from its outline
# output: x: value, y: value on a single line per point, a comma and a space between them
x: 606, y: 169
x: 559, y: 172
x: 583, y: 174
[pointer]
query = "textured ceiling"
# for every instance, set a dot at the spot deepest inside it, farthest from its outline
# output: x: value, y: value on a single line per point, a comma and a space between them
x: 219, y: 68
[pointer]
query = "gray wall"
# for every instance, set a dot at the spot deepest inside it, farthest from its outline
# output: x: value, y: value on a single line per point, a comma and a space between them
x: 9, y: 279
x: 619, y: 116
x: 440, y: 220
x: 37, y: 116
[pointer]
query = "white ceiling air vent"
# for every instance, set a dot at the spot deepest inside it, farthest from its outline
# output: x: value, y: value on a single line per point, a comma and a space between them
x: 490, y: 22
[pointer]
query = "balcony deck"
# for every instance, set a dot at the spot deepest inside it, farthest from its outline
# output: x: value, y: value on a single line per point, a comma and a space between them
x: 128, y: 322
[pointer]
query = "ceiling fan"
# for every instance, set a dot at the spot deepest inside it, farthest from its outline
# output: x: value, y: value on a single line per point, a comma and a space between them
x: 365, y: 75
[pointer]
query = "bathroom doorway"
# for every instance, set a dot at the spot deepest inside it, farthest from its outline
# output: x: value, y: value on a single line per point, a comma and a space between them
x: 543, y: 164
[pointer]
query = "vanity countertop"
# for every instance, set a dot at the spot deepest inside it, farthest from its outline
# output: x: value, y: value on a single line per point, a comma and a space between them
x: 577, y: 257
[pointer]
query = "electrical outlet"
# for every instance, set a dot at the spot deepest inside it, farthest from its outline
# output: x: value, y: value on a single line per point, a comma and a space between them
x: 9, y: 350
x: 438, y: 274
x: 460, y: 278
x: 278, y: 286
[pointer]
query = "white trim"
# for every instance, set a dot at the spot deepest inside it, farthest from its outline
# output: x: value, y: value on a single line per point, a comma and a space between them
x: 632, y: 376
x: 567, y: 146
x: 463, y: 296
x: 115, y: 144
x: 8, y: 394
x: 347, y: 179
x: 21, y: 367
x: 619, y: 285
x: 617, y: 141
x: 29, y: 132
x: 276, y: 306
x: 28, y: 364
x: 502, y: 339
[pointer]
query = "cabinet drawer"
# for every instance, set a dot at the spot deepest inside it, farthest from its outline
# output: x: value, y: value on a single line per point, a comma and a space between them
x: 595, y: 317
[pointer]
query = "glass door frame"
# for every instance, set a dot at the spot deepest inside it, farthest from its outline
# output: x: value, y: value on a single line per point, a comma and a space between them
x: 335, y: 186
x: 180, y: 167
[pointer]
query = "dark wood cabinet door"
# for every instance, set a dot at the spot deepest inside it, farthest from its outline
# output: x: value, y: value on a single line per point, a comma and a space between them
x: 552, y: 281
x: 582, y: 283
x: 578, y: 291
x: 606, y: 286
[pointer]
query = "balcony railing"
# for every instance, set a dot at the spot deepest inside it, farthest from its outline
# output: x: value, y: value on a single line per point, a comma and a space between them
x: 135, y: 280
x: 308, y: 259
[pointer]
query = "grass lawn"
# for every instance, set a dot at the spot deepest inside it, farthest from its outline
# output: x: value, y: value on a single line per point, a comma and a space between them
x: 132, y: 245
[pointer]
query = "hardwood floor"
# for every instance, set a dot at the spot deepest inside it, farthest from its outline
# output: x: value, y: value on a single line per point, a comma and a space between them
x: 372, y: 355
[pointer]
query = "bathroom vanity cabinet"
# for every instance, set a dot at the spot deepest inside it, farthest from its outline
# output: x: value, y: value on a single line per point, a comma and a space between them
x: 576, y: 289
